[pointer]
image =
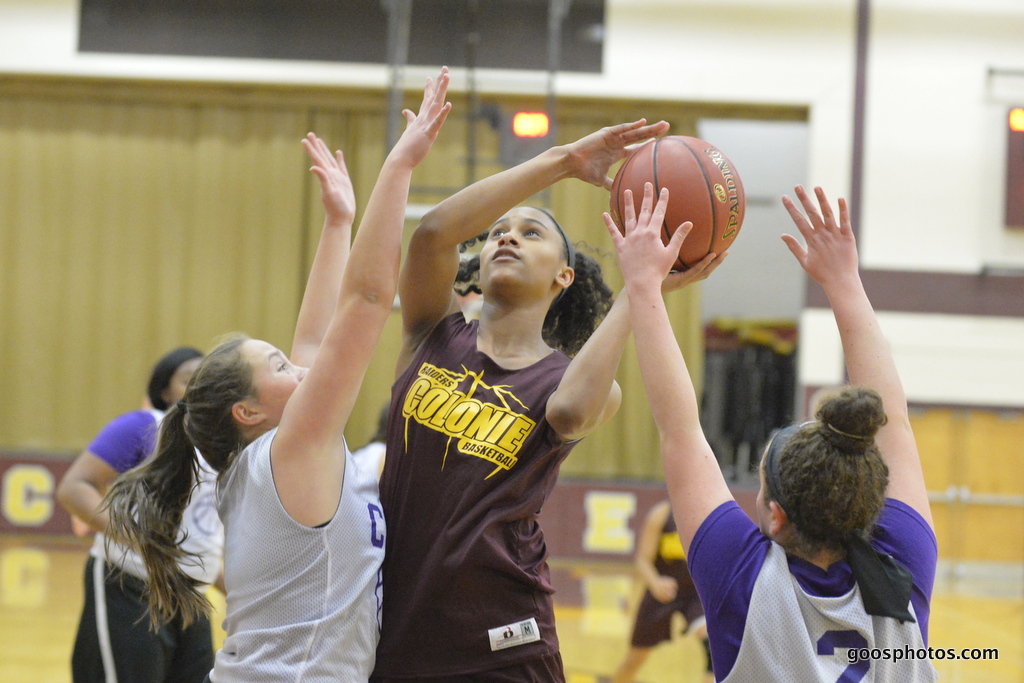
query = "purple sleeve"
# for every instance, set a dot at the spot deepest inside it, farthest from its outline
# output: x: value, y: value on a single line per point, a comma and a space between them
x: 725, y: 558
x: 126, y: 441
x: 904, y: 534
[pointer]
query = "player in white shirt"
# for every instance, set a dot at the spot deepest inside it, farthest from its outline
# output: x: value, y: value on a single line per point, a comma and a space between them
x: 304, y: 532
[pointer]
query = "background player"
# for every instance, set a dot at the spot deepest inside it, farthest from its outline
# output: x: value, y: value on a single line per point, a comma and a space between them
x: 113, y: 641
x: 661, y: 564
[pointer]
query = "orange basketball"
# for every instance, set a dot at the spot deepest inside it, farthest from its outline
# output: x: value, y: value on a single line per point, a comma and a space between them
x: 703, y: 186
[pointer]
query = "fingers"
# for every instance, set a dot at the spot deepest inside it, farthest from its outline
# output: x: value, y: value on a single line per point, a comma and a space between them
x: 813, y: 217
x: 439, y: 120
x: 795, y: 248
x: 340, y: 158
x: 629, y: 217
x: 798, y: 218
x: 613, y: 230
x: 707, y: 265
x: 844, y: 217
x: 637, y: 131
x: 646, y: 205
x: 676, y: 242
x: 441, y: 88
x: 826, y: 208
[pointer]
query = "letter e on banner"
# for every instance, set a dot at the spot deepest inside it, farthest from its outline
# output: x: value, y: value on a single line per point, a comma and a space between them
x: 608, y: 515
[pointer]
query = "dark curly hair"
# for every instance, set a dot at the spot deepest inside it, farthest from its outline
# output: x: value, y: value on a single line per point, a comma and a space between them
x: 831, y: 478
x: 573, y: 316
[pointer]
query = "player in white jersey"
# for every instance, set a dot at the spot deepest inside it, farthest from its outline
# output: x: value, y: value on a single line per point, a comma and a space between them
x: 111, y: 644
x: 843, y: 557
x: 304, y: 533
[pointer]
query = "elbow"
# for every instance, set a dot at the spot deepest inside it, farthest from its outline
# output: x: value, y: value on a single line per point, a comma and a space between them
x: 429, y: 232
x: 570, y: 423
x: 63, y: 495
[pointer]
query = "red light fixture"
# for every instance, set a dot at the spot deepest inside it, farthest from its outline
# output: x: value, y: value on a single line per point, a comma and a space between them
x: 530, y: 124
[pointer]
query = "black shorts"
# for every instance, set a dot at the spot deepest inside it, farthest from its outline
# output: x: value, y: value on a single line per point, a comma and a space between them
x: 654, y: 619
x: 119, y: 632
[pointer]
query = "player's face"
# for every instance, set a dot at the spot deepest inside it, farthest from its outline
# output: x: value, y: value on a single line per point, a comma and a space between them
x: 275, y: 377
x: 175, y: 390
x: 523, y: 247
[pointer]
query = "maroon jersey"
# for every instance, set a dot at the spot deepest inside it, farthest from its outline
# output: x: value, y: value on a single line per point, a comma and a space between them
x: 470, y: 460
x: 653, y: 623
x: 671, y: 558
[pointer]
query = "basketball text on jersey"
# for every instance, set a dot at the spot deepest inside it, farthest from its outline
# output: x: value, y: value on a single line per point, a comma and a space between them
x: 492, y: 430
x: 510, y: 635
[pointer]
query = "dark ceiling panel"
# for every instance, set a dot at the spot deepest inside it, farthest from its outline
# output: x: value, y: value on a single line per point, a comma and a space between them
x: 513, y: 33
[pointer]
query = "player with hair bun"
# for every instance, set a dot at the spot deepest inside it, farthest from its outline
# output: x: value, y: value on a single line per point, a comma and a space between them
x: 843, y: 555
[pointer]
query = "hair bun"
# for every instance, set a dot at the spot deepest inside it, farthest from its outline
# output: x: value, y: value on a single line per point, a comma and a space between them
x: 852, y: 418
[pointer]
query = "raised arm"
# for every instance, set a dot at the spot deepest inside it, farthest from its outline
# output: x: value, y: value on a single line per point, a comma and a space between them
x: 830, y: 259
x: 695, y: 483
x: 307, y: 455
x: 433, y: 261
x: 321, y: 294
x: 588, y: 395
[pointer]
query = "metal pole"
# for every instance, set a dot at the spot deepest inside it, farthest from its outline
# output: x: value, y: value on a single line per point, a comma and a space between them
x: 399, y: 23
x: 859, y: 105
x: 557, y: 11
x: 472, y: 43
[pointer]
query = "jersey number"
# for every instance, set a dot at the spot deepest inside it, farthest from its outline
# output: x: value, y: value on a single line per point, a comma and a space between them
x: 828, y: 643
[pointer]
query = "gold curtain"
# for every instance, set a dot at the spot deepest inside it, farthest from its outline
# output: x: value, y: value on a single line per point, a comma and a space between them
x: 139, y: 216
x: 129, y: 229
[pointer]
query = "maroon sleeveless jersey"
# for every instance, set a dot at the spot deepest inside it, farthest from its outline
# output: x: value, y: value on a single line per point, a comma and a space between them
x: 470, y: 460
x: 671, y: 558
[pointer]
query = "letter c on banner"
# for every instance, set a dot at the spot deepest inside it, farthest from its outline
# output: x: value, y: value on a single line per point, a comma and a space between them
x: 28, y: 495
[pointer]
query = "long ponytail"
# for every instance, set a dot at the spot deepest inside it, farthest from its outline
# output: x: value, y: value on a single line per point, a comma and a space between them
x: 145, y: 506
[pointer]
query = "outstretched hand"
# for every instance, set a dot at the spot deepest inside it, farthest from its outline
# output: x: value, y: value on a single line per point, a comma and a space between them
x: 593, y: 155
x: 643, y: 258
x: 831, y: 251
x: 421, y: 129
x: 336, y: 192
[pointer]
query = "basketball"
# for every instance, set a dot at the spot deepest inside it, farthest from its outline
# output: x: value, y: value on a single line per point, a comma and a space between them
x: 703, y: 186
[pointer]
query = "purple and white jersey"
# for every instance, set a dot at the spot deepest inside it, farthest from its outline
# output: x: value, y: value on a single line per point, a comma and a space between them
x: 788, y: 619
x: 125, y: 443
x: 303, y: 603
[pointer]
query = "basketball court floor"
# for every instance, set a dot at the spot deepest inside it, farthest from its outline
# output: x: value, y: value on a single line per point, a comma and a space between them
x: 41, y: 595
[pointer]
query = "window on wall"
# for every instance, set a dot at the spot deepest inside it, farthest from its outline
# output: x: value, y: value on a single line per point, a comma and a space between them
x: 513, y: 33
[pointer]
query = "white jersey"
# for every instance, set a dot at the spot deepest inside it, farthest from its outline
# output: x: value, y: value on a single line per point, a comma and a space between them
x: 303, y: 603
x: 792, y: 636
x: 201, y: 535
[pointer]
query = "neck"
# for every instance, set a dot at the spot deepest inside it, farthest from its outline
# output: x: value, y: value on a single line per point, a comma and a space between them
x: 512, y: 335
x: 822, y: 558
